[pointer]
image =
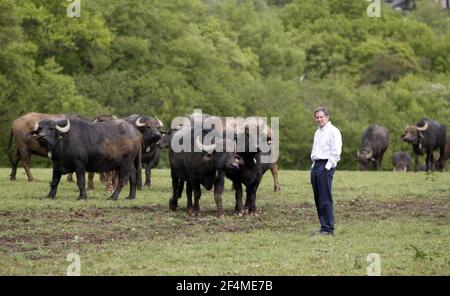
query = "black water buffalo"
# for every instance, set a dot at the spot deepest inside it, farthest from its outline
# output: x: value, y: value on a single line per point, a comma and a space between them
x: 239, y: 125
x: 205, y: 167
x: 26, y: 144
x: 254, y: 162
x: 109, y: 179
x: 151, y: 136
x: 78, y: 145
x: 425, y: 137
x: 374, y: 143
x: 401, y: 161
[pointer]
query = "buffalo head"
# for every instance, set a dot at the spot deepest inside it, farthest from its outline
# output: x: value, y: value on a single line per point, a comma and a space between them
x: 222, y: 154
x: 364, y: 157
x: 49, y: 132
x: 150, y: 129
x: 413, y: 133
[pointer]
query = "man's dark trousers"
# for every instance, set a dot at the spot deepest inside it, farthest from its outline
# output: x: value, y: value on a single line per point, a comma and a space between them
x: 321, y: 181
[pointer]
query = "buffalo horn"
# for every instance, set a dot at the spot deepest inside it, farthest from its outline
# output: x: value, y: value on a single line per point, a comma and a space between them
x: 421, y: 129
x: 159, y: 122
x: 63, y: 129
x: 139, y: 123
x: 207, y: 148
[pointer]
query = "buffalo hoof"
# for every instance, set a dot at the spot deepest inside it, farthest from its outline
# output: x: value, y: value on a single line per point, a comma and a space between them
x: 130, y: 197
x: 82, y: 198
x: 173, y: 205
x: 277, y: 189
x: 32, y: 180
x: 12, y: 178
x: 50, y: 196
x: 221, y: 215
x: 252, y: 213
x: 112, y: 198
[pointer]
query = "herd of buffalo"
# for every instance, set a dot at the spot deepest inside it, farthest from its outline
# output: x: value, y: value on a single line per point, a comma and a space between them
x: 118, y: 148
x: 425, y: 137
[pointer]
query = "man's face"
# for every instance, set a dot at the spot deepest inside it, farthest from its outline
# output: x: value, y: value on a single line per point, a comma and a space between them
x: 321, y: 119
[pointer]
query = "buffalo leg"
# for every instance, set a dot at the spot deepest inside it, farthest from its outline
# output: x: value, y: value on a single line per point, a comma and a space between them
x: 429, y: 161
x: 54, y: 184
x: 197, y: 196
x: 138, y: 173
x: 91, y: 181
x: 109, y: 180
x: 442, y: 158
x: 70, y: 177
x: 26, y: 157
x: 173, y: 202
x: 380, y: 161
x: 250, y: 201
x: 81, y: 182
x: 123, y: 176
x: 239, y: 208
x: 276, y: 183
x: 148, y: 175
x: 416, y: 162
x: 189, y: 207
x: 14, y: 163
x: 132, y: 179
x: 218, y: 191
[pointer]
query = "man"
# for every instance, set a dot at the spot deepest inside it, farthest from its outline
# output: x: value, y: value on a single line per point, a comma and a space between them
x: 325, y: 155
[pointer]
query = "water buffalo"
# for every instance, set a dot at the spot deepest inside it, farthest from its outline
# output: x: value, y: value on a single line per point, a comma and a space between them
x: 78, y: 145
x: 26, y: 144
x: 374, y: 143
x: 239, y: 125
x: 425, y: 137
x: 401, y: 161
x: 109, y: 179
x: 151, y: 149
x: 249, y: 134
x: 203, y: 167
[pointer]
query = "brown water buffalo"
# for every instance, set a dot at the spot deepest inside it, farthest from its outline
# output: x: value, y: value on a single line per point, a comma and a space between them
x: 27, y: 144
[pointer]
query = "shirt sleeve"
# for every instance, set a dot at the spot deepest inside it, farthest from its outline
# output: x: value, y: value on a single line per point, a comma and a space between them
x: 336, y: 149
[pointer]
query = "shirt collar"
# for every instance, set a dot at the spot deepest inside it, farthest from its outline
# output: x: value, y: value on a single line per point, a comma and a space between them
x: 326, y: 126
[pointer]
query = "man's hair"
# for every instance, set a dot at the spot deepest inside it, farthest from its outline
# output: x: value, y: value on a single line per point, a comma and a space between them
x: 323, y: 109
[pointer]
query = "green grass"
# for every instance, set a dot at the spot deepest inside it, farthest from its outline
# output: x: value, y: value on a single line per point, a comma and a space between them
x: 402, y: 217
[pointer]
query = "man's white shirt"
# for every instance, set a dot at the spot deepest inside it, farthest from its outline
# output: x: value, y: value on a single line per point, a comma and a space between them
x: 327, y: 145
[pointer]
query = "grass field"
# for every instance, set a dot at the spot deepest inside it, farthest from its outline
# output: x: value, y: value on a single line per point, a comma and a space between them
x: 403, y: 217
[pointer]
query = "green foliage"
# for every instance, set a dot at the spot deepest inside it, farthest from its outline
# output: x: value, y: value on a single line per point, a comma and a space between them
x: 233, y: 58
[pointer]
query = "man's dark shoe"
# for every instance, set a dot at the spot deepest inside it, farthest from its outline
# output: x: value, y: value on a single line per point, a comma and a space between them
x: 325, y: 233
x: 321, y: 233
